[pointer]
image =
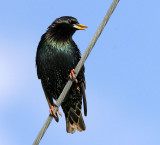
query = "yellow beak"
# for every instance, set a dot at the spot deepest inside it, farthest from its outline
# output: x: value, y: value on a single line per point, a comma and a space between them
x: 79, y: 26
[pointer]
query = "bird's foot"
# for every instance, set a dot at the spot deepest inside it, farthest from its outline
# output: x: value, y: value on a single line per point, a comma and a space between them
x: 72, y: 75
x: 52, y: 112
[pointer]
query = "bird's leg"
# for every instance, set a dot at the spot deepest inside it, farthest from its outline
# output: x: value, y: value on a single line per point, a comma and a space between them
x: 51, y: 104
x: 72, y: 75
x: 52, y: 112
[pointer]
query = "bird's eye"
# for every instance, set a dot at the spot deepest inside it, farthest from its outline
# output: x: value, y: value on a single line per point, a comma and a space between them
x: 71, y: 21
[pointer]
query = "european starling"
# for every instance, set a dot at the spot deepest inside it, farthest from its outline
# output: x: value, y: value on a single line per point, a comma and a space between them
x: 57, y: 56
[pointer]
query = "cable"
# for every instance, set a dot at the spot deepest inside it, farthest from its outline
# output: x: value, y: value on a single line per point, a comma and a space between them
x: 77, y: 69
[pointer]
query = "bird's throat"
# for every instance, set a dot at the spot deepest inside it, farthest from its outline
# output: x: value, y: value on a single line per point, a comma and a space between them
x: 60, y: 45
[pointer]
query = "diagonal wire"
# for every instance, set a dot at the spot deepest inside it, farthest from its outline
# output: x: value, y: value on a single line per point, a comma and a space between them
x: 77, y: 69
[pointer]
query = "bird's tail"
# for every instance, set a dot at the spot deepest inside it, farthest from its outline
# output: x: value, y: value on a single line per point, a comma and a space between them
x: 74, y: 119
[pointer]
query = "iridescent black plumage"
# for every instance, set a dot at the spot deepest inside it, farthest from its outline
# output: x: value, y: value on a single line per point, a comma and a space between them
x: 57, y: 55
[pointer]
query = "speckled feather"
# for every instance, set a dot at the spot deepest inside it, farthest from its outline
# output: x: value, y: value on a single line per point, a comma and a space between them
x: 55, y: 59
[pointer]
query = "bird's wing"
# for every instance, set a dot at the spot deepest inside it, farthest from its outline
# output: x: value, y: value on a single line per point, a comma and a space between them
x: 81, y: 79
x: 84, y: 98
x: 82, y: 85
x: 38, y: 61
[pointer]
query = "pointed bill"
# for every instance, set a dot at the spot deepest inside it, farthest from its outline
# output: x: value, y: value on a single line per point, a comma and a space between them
x: 80, y: 26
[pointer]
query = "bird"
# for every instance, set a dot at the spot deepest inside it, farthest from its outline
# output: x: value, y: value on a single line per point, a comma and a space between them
x: 56, y: 57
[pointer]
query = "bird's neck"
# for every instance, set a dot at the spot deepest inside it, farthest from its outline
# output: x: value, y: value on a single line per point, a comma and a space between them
x: 66, y: 45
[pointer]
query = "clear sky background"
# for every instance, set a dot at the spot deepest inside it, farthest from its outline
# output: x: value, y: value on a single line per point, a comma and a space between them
x: 122, y: 72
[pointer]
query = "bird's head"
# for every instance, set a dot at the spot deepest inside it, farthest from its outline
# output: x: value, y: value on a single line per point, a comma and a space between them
x: 64, y: 27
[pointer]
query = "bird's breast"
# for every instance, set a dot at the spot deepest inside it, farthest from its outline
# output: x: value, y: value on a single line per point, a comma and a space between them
x: 59, y: 63
x: 60, y: 59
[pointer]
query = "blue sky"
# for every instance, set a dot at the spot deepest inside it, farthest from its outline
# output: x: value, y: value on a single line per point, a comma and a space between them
x: 122, y: 72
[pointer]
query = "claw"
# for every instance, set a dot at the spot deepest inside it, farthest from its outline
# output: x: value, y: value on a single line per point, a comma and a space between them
x: 59, y: 113
x: 52, y: 112
x: 55, y: 104
x: 72, y: 75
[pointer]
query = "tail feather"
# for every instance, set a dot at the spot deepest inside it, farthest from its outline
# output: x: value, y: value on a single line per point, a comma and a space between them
x: 74, y: 121
x: 71, y: 126
x: 81, y: 124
